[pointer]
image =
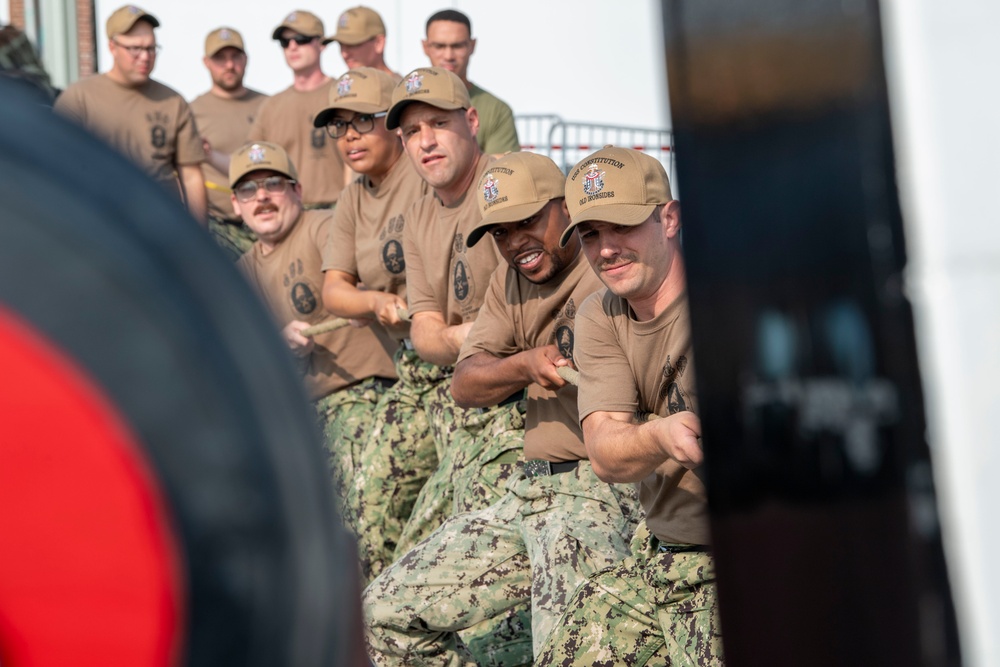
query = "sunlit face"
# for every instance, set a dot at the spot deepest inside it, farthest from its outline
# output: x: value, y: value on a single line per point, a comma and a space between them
x: 227, y: 67
x: 632, y: 261
x: 449, y: 45
x: 365, y: 54
x: 372, y: 153
x: 301, y: 57
x: 441, y: 144
x: 134, y: 53
x: 270, y: 215
x: 531, y: 246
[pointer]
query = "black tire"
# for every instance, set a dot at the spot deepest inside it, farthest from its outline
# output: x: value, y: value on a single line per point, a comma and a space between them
x: 111, y: 268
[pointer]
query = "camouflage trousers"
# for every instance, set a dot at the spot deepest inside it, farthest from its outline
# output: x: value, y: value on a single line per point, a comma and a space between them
x: 232, y: 238
x: 346, y: 417
x: 477, y: 449
x: 654, y: 608
x: 534, y: 546
x: 398, y: 459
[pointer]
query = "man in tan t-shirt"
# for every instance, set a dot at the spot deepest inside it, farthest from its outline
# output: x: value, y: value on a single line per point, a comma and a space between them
x: 224, y: 115
x: 446, y: 282
x: 346, y: 370
x: 557, y: 523
x: 143, y: 119
x: 361, y: 35
x: 286, y: 119
x: 633, y: 349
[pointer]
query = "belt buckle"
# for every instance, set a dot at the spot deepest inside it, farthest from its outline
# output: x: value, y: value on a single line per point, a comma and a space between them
x: 407, y: 344
x: 537, y: 468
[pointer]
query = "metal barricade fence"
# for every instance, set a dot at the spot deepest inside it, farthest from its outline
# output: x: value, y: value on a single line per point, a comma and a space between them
x: 568, y: 142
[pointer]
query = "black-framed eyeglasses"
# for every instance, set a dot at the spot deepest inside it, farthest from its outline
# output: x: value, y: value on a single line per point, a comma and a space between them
x: 136, y: 51
x: 301, y: 40
x: 362, y: 123
x: 275, y: 185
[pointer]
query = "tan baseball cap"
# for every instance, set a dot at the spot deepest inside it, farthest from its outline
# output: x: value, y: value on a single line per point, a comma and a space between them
x: 617, y: 185
x: 430, y: 85
x: 357, y: 25
x: 302, y: 22
x: 363, y: 90
x: 124, y: 18
x: 514, y: 188
x: 260, y: 155
x: 220, y: 38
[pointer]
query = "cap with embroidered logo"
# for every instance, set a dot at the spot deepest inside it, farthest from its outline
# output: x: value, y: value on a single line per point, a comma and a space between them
x: 362, y: 90
x: 514, y: 188
x: 617, y: 185
x: 260, y: 155
x: 357, y: 25
x: 220, y: 38
x: 431, y: 85
x: 123, y: 18
x: 302, y: 22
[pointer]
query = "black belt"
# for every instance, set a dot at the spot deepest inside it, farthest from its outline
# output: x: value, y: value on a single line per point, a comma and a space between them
x: 513, y: 398
x: 542, y: 468
x: 681, y: 548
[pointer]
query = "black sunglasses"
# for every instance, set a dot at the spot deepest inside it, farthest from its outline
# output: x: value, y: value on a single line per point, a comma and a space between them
x: 301, y: 40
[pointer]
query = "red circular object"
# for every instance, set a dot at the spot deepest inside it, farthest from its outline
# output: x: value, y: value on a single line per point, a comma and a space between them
x: 89, y: 567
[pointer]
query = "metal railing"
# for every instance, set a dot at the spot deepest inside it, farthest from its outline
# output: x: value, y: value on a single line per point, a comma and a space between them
x: 568, y: 142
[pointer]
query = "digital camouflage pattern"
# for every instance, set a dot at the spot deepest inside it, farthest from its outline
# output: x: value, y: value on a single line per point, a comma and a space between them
x: 232, y: 238
x: 346, y: 417
x: 477, y: 452
x: 654, y: 608
x: 534, y: 546
x: 400, y: 458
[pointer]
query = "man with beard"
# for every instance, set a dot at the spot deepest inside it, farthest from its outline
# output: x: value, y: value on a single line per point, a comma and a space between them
x: 224, y: 115
x: 557, y: 523
x: 141, y: 118
x: 633, y: 349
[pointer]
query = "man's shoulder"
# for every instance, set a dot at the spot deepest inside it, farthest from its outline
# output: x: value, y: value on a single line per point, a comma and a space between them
x: 483, y: 96
x: 602, y: 304
x: 159, y: 91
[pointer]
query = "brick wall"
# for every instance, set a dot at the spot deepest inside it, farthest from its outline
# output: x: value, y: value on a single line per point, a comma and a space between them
x: 85, y: 35
x: 17, y: 14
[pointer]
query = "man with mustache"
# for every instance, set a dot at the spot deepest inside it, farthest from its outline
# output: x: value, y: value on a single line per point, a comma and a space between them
x: 557, y: 523
x: 633, y: 349
x: 141, y: 118
x: 346, y: 371
x: 224, y: 115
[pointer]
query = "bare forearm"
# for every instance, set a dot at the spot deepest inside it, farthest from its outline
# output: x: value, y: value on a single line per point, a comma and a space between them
x: 620, y: 451
x: 194, y: 192
x: 435, y: 341
x: 483, y: 380
x: 344, y: 299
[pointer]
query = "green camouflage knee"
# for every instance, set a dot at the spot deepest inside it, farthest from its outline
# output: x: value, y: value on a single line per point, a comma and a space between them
x: 655, y: 607
x: 345, y: 417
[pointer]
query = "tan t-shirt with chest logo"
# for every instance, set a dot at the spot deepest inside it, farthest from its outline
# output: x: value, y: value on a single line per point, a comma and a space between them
x: 645, y: 368
x: 519, y: 315
x: 289, y: 280
x: 151, y: 124
x: 366, y: 237
x: 442, y: 274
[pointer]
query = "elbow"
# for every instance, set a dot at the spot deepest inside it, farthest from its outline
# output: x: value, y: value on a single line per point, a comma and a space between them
x: 462, y: 390
x: 608, y: 473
